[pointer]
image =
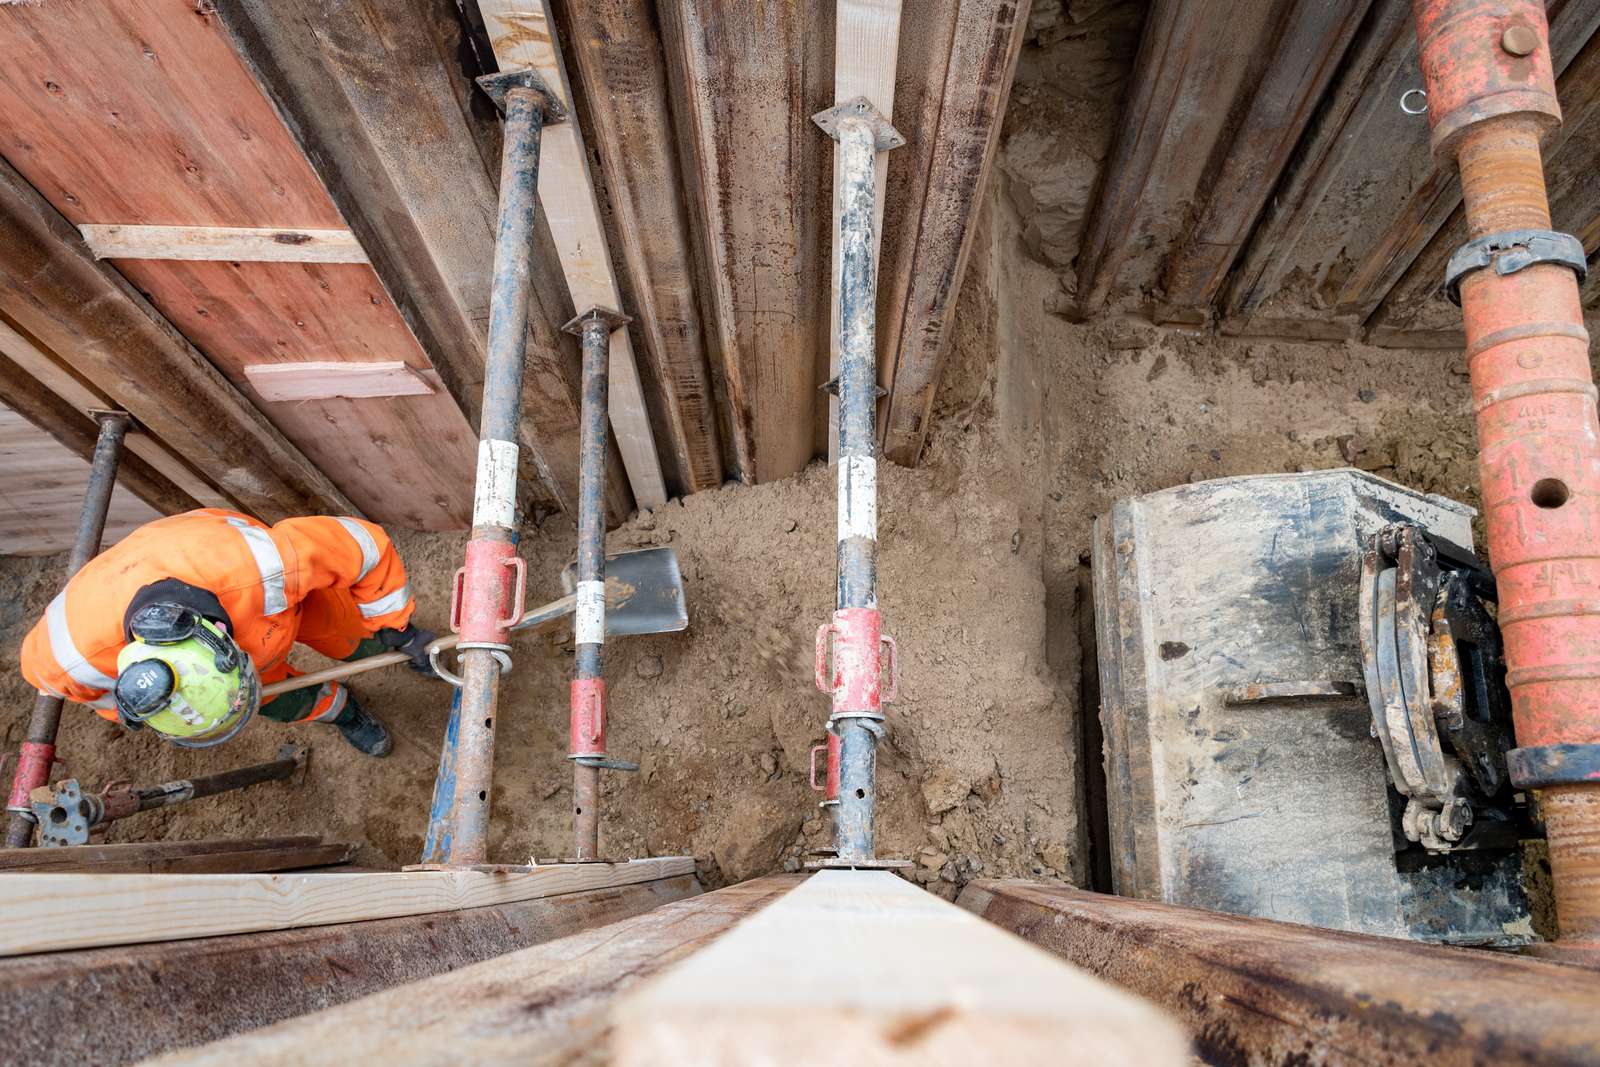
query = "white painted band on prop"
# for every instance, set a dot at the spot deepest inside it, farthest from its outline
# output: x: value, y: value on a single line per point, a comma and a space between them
x: 589, y: 627
x: 494, y: 500
x: 858, y: 497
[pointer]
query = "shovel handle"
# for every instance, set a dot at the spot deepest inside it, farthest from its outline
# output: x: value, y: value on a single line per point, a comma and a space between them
x: 535, y: 619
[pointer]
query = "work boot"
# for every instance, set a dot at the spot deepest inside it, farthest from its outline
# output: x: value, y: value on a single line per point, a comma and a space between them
x: 362, y: 730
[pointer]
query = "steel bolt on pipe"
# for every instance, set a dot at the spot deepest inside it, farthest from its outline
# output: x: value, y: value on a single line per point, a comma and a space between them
x: 587, y: 725
x: 856, y: 628
x: 488, y: 592
x: 38, y: 750
x: 1491, y: 97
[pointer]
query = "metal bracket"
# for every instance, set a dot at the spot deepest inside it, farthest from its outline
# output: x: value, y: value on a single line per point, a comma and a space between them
x: 831, y: 387
x: 605, y: 763
x: 498, y: 86
x: 1512, y: 251
x: 1542, y: 766
x: 883, y: 131
x: 614, y: 320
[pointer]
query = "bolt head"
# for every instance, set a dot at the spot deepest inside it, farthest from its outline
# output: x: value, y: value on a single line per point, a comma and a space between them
x: 1519, y: 40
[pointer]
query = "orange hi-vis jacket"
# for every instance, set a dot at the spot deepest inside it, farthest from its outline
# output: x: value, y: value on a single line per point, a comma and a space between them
x: 262, y: 575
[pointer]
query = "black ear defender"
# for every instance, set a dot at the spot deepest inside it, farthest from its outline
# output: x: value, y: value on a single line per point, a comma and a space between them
x: 142, y: 689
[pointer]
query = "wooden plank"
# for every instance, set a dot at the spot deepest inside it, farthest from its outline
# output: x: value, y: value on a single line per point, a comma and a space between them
x: 149, y: 855
x: 28, y: 398
x: 906, y: 978
x: 744, y: 85
x: 180, y: 857
x: 545, y: 1004
x: 222, y: 242
x: 865, y: 56
x: 92, y: 1006
x: 986, y: 39
x: 622, y: 77
x: 1365, y: 197
x: 41, y: 490
x: 124, y: 62
x: 523, y: 37
x: 51, y: 912
x: 1257, y: 991
x: 1417, y: 304
x: 50, y: 371
x: 1306, y: 48
x: 1196, y: 57
x: 324, y: 380
x: 398, y: 147
x: 53, y: 289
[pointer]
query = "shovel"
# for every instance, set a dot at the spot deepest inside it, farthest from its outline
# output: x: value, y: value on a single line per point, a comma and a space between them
x: 644, y: 595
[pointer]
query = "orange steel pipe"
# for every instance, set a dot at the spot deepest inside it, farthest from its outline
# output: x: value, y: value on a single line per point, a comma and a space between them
x: 1491, y: 97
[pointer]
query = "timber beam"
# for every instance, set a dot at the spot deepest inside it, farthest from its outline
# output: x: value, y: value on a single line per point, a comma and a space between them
x: 545, y: 1004
x: 1255, y: 991
x: 96, y: 1006
x: 52, y: 287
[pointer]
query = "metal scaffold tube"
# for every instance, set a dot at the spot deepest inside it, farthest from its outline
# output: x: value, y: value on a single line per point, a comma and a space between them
x: 1491, y: 98
x: 854, y: 635
x: 587, y: 724
x: 488, y: 593
x: 38, y: 750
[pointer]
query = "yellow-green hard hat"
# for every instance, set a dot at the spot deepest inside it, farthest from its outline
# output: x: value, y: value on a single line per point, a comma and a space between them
x: 185, y: 678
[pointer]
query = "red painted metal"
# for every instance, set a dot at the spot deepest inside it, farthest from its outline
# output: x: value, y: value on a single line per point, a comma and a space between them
x: 587, y: 726
x: 483, y: 606
x: 830, y: 788
x: 1539, y: 449
x: 854, y: 682
x: 33, y: 770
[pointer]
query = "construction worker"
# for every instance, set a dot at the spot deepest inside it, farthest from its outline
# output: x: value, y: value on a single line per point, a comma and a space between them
x: 180, y: 625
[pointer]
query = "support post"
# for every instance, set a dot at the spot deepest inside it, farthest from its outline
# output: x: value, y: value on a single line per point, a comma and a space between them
x: 1491, y: 97
x: 39, y: 747
x: 489, y: 587
x: 855, y: 632
x: 587, y: 726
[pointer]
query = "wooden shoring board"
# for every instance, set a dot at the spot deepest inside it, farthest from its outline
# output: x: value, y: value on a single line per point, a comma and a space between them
x: 1418, y: 303
x: 866, y: 52
x: 1256, y: 991
x: 1195, y: 59
x: 545, y: 1004
x: 51, y: 912
x: 88, y: 318
x: 407, y: 146
x: 139, y: 112
x: 523, y: 37
x: 41, y: 491
x: 882, y: 972
x: 403, y: 459
x: 222, y: 242
x: 745, y: 81
x: 217, y: 856
x: 1364, y: 197
x: 91, y: 1006
x: 78, y: 433
x: 1311, y: 41
x: 80, y: 394
x: 325, y: 379
x: 622, y: 82
x: 985, y: 40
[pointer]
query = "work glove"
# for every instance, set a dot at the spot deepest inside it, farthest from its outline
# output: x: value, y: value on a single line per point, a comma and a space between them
x: 414, y: 642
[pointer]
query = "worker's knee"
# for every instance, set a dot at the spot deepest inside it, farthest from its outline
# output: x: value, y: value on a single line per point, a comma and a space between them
x: 292, y: 706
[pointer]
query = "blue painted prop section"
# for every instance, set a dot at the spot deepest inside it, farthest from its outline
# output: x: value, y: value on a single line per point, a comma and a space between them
x: 442, y: 813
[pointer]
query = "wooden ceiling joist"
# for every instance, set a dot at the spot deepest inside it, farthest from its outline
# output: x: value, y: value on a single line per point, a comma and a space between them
x: 623, y: 96
x: 379, y: 101
x: 523, y: 37
x: 744, y: 86
x: 140, y: 113
x: 951, y: 116
x: 52, y: 287
x: 1306, y: 48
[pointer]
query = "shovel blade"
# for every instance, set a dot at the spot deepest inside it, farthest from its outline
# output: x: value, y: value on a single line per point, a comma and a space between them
x: 644, y: 592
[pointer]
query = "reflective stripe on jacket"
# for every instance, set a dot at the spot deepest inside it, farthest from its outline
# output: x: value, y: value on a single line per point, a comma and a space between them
x: 261, y: 575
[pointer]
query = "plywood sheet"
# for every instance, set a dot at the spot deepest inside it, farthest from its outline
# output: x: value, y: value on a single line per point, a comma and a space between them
x: 41, y: 493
